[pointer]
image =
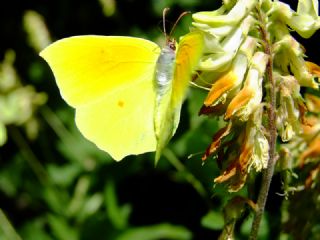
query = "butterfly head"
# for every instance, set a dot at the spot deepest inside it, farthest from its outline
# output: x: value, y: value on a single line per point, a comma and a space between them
x: 170, y: 41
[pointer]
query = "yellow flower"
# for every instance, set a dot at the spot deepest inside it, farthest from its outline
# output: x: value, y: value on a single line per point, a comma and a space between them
x: 291, y: 108
x: 289, y: 58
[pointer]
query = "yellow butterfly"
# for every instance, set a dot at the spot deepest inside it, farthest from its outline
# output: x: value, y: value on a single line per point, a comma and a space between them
x: 126, y: 91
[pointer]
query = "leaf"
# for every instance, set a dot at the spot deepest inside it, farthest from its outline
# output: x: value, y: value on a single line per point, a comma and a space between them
x: 118, y: 215
x: 213, y: 220
x: 35, y: 230
x: 3, y: 134
x: 61, y: 228
x: 154, y: 232
x: 91, y: 206
x: 64, y: 175
x: 7, y: 231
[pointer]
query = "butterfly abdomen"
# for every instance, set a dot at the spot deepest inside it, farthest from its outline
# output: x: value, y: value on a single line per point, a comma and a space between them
x: 163, y: 119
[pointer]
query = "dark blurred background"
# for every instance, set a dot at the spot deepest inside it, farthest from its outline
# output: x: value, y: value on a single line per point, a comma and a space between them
x: 56, y: 185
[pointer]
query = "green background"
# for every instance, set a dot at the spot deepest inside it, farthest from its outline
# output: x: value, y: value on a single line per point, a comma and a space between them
x: 54, y: 184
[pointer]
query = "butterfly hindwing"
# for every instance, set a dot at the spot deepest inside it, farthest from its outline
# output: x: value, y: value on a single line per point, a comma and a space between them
x: 188, y: 55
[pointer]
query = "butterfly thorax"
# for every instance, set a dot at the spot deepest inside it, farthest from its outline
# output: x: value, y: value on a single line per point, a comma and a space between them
x: 164, y: 69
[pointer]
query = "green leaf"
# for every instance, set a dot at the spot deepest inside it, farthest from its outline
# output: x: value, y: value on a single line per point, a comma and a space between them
x: 3, y: 134
x: 7, y: 231
x: 154, y: 232
x: 64, y: 175
x: 79, y: 197
x: 10, y: 177
x: 61, y: 228
x: 118, y: 215
x: 55, y: 199
x: 91, y: 205
x: 263, y: 230
x: 213, y: 220
x: 35, y: 230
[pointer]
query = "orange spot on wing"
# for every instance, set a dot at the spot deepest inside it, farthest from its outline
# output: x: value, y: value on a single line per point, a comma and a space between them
x: 121, y: 103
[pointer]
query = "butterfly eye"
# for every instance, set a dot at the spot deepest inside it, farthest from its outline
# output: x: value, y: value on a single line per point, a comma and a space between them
x: 172, y: 44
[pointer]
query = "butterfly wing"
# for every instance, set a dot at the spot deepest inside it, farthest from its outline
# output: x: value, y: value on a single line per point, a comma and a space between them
x: 109, y: 81
x: 187, y: 58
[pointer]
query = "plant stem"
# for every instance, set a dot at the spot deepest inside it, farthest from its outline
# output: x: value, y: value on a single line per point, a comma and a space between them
x: 28, y: 155
x: 268, y: 172
x: 197, y: 185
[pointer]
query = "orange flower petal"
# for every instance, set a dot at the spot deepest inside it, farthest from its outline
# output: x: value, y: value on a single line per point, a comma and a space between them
x: 313, y: 68
x: 312, y: 176
x: 312, y: 102
x: 312, y: 151
x: 221, y: 86
x: 240, y: 100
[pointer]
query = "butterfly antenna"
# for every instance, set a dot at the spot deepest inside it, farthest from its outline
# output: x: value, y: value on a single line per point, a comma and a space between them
x: 179, y: 18
x: 164, y: 21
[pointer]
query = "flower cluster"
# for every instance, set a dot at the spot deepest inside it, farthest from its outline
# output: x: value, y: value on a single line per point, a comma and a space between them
x: 248, y: 47
x: 18, y: 103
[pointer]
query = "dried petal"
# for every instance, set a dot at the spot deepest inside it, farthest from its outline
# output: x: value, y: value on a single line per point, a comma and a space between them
x: 216, y: 141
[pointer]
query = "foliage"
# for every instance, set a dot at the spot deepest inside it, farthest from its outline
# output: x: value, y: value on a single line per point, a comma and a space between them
x: 56, y: 185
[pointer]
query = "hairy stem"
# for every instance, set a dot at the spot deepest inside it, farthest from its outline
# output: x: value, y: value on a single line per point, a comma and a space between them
x: 268, y: 172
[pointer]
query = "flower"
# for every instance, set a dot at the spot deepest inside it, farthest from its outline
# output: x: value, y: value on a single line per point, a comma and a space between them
x: 253, y: 69
x: 220, y: 51
x: 289, y: 110
x: 312, y: 151
x: 217, y: 18
x: 288, y: 59
x: 312, y: 102
x: 249, y: 98
x: 254, y: 153
x: 216, y: 141
x: 305, y: 21
x: 233, y: 78
x: 313, y: 68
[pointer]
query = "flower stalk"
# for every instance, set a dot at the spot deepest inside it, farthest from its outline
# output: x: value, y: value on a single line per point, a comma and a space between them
x: 272, y: 132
